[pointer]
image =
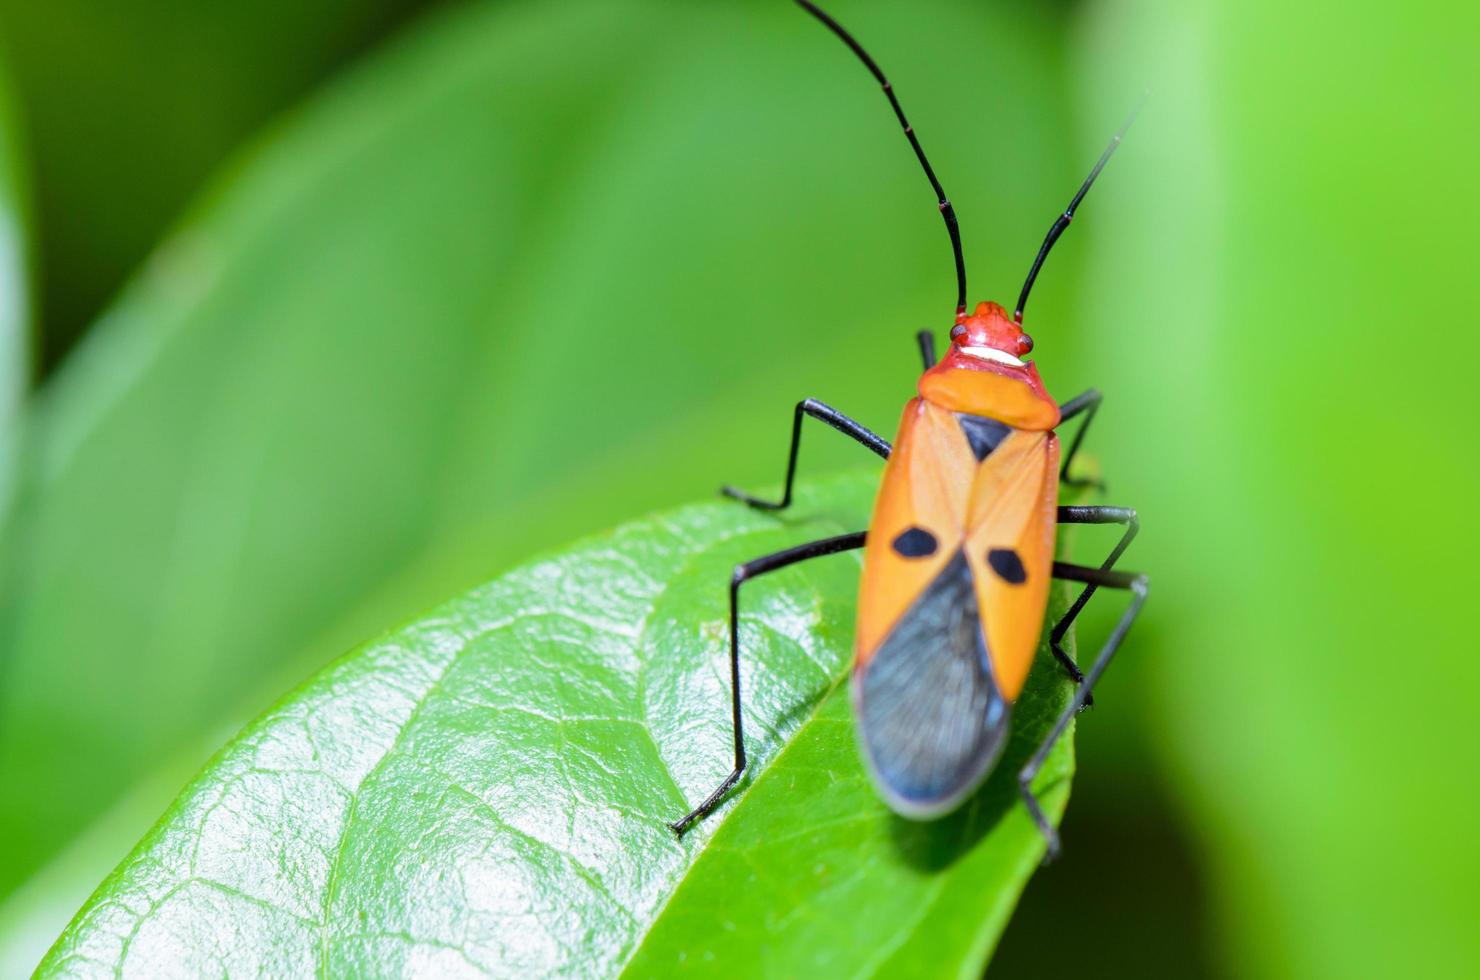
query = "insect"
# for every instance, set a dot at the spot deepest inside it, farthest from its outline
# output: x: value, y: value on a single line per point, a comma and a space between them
x: 959, y: 555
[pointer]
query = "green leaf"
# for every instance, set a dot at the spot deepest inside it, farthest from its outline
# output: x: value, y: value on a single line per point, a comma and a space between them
x: 488, y: 789
x: 533, y: 270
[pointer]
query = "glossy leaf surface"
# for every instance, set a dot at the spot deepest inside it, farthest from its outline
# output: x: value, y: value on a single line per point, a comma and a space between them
x: 488, y: 788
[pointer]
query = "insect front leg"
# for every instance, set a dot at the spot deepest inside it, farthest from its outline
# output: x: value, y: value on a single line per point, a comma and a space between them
x: 1140, y: 587
x: 744, y: 573
x: 1090, y: 515
x: 832, y: 417
x: 825, y: 413
x: 1087, y: 405
x: 926, y: 340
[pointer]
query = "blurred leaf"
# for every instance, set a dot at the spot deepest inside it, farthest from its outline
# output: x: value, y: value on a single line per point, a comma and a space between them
x: 131, y: 105
x: 535, y: 270
x: 15, y: 320
x: 490, y: 786
x: 1295, y: 407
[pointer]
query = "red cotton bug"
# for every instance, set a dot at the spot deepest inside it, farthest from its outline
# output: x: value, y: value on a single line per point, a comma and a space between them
x: 958, y: 558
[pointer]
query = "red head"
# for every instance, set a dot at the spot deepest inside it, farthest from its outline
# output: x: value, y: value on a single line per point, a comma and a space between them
x: 990, y: 331
x: 984, y: 373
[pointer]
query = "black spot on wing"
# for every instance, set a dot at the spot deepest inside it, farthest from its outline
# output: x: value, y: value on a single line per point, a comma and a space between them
x: 930, y: 715
x: 1006, y: 563
x: 915, y: 543
x: 984, y: 434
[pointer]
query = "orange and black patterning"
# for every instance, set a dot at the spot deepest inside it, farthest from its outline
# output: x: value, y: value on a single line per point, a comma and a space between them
x: 959, y: 555
x: 962, y: 536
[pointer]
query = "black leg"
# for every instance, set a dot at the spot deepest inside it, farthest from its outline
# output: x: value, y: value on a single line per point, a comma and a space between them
x: 1087, y: 404
x: 750, y: 570
x: 927, y: 348
x: 1131, y: 581
x: 1090, y: 515
x: 832, y: 417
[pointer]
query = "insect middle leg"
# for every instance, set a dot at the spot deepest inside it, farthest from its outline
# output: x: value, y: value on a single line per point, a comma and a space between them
x: 744, y: 573
x: 1090, y: 515
x: 1140, y: 587
x: 832, y: 417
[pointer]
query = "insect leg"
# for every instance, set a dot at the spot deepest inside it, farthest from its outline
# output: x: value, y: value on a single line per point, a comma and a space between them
x: 926, y: 340
x: 743, y: 573
x: 1090, y: 515
x: 1132, y: 581
x: 832, y: 417
x: 1086, y: 404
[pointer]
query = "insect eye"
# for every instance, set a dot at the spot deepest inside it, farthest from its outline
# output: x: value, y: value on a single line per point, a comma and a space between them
x: 1025, y: 344
x: 915, y: 543
x: 958, y: 331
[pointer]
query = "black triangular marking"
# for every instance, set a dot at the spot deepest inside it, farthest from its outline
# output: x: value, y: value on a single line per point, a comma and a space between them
x: 984, y: 434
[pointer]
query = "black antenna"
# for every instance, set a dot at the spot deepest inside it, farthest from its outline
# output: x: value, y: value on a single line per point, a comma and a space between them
x: 1062, y: 221
x: 946, y: 211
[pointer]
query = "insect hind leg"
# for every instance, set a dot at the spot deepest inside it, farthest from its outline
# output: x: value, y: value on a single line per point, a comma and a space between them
x: 1089, y: 515
x: 1140, y: 587
x: 742, y: 574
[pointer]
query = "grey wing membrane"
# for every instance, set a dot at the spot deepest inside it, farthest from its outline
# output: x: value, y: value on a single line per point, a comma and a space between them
x: 931, y: 718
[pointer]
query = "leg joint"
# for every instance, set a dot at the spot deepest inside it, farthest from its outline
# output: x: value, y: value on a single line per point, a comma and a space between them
x: 1083, y: 401
x: 1098, y: 514
x: 824, y: 412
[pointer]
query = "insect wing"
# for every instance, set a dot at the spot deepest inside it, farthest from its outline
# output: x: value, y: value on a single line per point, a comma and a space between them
x: 931, y: 718
x: 918, y: 519
x: 1012, y: 522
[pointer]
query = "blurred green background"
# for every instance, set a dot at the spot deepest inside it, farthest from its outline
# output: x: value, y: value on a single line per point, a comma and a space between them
x: 311, y: 318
